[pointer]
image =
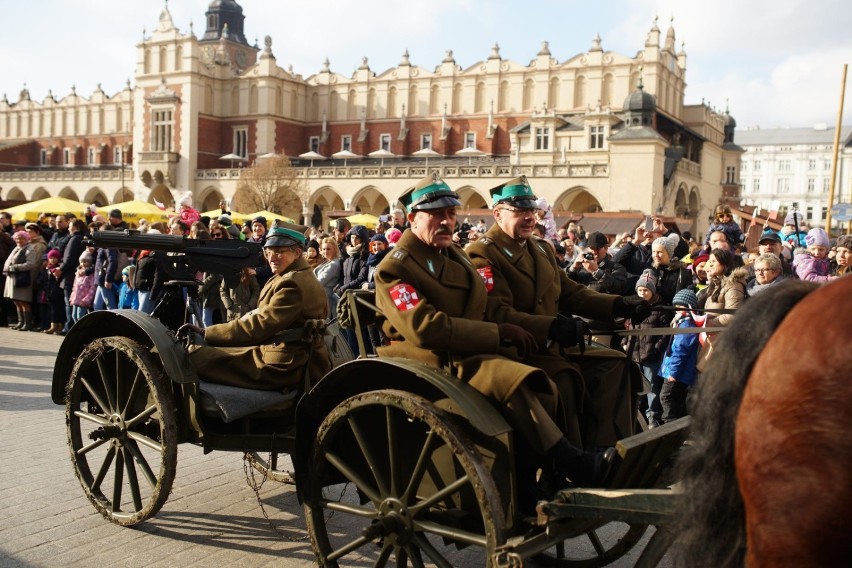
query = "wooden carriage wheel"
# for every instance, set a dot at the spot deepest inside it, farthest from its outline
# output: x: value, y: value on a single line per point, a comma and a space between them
x: 421, y: 490
x: 121, y: 427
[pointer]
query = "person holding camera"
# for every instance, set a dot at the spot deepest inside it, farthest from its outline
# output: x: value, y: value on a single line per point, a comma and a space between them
x: 528, y: 289
x: 596, y: 269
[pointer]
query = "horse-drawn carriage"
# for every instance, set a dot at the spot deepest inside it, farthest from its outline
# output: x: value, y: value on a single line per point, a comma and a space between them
x: 432, y: 461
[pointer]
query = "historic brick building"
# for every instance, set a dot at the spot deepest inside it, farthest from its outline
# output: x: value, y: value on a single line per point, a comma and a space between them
x: 599, y: 131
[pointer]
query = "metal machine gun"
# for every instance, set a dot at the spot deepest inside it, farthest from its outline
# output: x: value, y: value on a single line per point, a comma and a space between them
x: 188, y: 256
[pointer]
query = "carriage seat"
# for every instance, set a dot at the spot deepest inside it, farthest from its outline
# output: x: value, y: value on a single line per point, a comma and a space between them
x: 232, y: 403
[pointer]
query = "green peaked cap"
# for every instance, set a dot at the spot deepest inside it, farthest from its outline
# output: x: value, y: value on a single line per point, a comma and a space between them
x: 283, y: 234
x: 430, y: 192
x: 516, y: 192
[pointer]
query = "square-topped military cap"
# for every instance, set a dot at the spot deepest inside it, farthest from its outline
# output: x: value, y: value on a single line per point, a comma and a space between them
x: 283, y: 234
x: 515, y: 192
x: 430, y: 192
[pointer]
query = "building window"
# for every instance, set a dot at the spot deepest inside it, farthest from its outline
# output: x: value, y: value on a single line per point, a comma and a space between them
x: 385, y: 142
x: 811, y: 185
x: 826, y: 165
x: 731, y: 174
x: 425, y: 141
x: 784, y: 166
x: 241, y: 141
x: 755, y: 185
x: 542, y: 138
x: 346, y: 143
x: 825, y: 183
x: 161, y: 137
x: 313, y: 143
x: 783, y: 185
x: 43, y: 157
x: 757, y: 165
x: 118, y: 155
x: 810, y: 213
x: 66, y: 156
x: 596, y: 137
x: 811, y: 165
x: 90, y: 155
x: 470, y: 139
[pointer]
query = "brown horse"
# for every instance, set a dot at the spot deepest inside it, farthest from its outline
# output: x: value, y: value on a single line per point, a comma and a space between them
x: 768, y: 477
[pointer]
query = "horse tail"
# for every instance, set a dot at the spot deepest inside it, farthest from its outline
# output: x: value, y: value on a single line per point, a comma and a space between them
x: 710, y: 522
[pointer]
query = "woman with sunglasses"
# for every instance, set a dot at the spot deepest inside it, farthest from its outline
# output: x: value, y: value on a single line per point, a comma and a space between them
x: 723, y: 220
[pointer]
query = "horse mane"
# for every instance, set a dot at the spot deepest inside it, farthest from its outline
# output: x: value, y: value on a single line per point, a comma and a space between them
x: 710, y: 521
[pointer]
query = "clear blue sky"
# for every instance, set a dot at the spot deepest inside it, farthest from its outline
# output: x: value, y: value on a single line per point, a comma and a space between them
x: 778, y: 62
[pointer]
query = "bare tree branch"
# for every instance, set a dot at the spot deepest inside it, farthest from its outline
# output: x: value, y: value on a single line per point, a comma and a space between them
x: 272, y: 184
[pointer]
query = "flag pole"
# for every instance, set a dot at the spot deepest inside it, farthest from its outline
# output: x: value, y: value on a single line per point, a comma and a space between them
x: 835, y: 153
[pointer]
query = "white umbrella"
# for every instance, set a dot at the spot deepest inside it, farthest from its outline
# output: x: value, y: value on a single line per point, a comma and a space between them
x: 470, y: 152
x: 382, y: 153
x: 312, y: 156
x: 267, y: 156
x: 426, y: 153
x: 233, y: 158
x: 346, y: 155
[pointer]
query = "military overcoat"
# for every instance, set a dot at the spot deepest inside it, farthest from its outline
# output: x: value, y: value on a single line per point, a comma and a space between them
x: 434, y: 304
x: 246, y: 352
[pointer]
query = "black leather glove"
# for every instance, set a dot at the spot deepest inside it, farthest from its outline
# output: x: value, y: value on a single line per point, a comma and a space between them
x: 632, y: 307
x: 519, y: 337
x: 567, y: 332
x: 188, y: 328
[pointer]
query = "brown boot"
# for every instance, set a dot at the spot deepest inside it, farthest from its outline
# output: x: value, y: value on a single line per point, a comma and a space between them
x: 53, y: 328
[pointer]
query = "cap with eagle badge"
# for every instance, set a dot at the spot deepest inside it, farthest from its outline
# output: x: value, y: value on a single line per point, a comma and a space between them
x: 283, y: 234
x: 515, y: 192
x: 430, y: 192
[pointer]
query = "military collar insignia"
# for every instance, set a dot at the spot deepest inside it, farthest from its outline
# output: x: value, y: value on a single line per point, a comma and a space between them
x: 485, y: 240
x: 508, y: 252
x: 399, y: 254
x: 431, y: 265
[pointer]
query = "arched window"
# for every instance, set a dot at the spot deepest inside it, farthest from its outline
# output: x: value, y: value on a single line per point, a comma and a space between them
x: 457, y: 99
x: 580, y: 92
x: 179, y: 58
x: 479, y: 98
x: 607, y: 88
x: 313, y: 115
x: 529, y: 93
x: 371, y: 103
x: 208, y: 99
x: 235, y: 100
x: 279, y: 101
x: 434, y: 99
x: 350, y: 105
x: 163, y: 61
x: 333, y: 101
x: 253, y: 99
x: 147, y: 63
x: 503, y: 102
x: 413, y: 102
x: 391, y: 112
x: 553, y: 93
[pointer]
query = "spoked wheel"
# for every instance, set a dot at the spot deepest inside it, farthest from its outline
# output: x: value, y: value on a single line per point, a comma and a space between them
x: 122, y: 434
x: 597, y: 547
x: 273, y: 465
x: 422, y: 493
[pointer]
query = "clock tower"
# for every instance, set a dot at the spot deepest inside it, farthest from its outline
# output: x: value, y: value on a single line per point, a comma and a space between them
x: 225, y: 21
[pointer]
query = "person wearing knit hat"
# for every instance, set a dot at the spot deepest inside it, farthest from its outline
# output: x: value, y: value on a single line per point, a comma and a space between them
x: 186, y: 212
x: 668, y: 243
x: 813, y: 264
x: 794, y: 230
x: 54, y: 254
x: 843, y: 256
x: 312, y: 254
x: 647, y: 280
x: 19, y: 268
x: 685, y: 297
x: 258, y: 230
x: 392, y: 235
x: 671, y: 273
x: 678, y: 370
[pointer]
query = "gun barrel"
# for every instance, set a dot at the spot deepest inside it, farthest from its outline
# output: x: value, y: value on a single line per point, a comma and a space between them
x: 129, y: 239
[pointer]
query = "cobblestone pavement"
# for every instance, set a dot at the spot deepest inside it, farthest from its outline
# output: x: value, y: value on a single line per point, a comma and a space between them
x: 211, y: 518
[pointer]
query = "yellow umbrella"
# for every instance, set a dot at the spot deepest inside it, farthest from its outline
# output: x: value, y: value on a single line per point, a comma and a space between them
x: 365, y: 219
x: 56, y: 205
x: 236, y: 218
x: 136, y: 209
x: 270, y: 216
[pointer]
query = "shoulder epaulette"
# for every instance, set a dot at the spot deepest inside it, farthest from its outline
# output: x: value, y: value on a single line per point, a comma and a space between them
x: 485, y: 240
x: 399, y: 254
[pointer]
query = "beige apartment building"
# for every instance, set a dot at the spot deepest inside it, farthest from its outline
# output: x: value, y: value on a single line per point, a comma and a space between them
x: 596, y: 132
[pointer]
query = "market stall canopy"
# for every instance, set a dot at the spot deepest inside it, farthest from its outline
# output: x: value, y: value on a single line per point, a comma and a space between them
x: 136, y: 209
x: 426, y: 153
x: 236, y: 218
x: 312, y: 156
x: 56, y: 205
x: 270, y: 216
x: 346, y: 155
x: 365, y: 219
x: 470, y: 153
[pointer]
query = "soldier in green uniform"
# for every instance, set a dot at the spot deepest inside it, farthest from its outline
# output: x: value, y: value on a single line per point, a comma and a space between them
x: 263, y: 349
x: 433, y: 301
x: 527, y: 288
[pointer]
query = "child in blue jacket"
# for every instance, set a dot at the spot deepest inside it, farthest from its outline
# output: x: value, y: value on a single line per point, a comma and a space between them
x: 678, y: 369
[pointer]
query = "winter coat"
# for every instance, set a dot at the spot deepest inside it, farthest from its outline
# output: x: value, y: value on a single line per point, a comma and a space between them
x: 19, y: 260
x: 71, y: 259
x: 635, y: 258
x: 681, y: 358
x: 329, y: 274
x: 83, y: 289
x: 210, y: 291
x: 726, y: 292
x: 649, y: 349
x: 671, y: 278
x: 240, y: 299
x: 813, y: 269
x: 610, y: 278
x: 355, y: 271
